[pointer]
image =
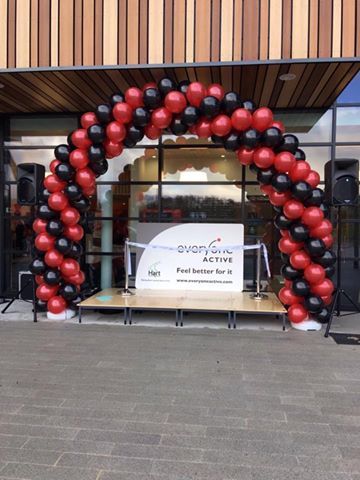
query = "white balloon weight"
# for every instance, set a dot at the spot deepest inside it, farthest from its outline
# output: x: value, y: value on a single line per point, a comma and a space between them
x: 307, y: 325
x: 65, y: 315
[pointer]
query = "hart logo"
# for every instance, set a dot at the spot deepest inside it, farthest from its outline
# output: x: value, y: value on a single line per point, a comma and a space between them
x: 153, y: 270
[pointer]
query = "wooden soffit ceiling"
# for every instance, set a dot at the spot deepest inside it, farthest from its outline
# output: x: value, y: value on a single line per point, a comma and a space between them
x: 316, y: 84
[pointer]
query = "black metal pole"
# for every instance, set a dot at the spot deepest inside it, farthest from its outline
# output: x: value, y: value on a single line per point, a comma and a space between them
x: 338, y: 283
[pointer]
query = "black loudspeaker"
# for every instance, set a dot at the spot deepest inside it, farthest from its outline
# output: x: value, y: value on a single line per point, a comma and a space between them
x: 29, y: 178
x: 26, y: 285
x: 342, y: 188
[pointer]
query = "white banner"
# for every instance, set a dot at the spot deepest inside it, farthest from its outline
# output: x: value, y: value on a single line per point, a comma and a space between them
x: 195, y: 258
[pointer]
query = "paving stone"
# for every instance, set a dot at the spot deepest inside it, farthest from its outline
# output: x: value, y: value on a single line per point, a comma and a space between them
x: 287, y: 426
x: 136, y: 476
x: 158, y: 452
x: 41, y: 472
x: 76, y: 446
x: 296, y: 474
x: 23, y: 419
x: 246, y: 434
x: 236, y: 457
x: 37, y: 431
x: 165, y: 428
x: 248, y: 413
x: 44, y: 457
x: 206, y: 420
x: 193, y: 471
x: 118, y: 437
x: 102, y: 462
x: 12, y: 441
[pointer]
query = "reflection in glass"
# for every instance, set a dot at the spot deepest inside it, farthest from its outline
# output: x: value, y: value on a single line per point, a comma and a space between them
x: 348, y: 151
x: 187, y: 139
x: 12, y: 158
x: 348, y: 124
x: 310, y: 126
x: 134, y: 165
x: 351, y: 93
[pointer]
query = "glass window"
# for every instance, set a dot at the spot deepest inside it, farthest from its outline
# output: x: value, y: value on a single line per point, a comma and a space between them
x: 45, y: 130
x: 133, y: 165
x: 201, y: 203
x: 310, y: 126
x: 348, y: 151
x: 200, y: 165
x: 351, y: 93
x: 187, y: 139
x: 348, y: 124
x: 15, y: 157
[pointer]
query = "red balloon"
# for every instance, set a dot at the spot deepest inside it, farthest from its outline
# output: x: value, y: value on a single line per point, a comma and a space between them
x: 314, y: 273
x: 221, y: 125
x: 203, y: 128
x: 134, y: 97
x: 112, y: 149
x: 278, y: 124
x: 44, y: 242
x: 287, y: 297
x: 175, y: 101
x: 279, y: 199
x: 267, y: 189
x: 288, y: 283
x: 161, y: 117
x: 77, y: 279
x: 74, y: 232
x: 152, y: 132
x: 54, y: 164
x: 69, y: 267
x: 122, y: 112
x: 241, y: 119
x: 88, y: 119
x: 328, y: 240
x: 322, y: 230
x: 300, y: 260
x: 39, y: 225
x: 245, y: 156
x: 89, y: 191
x: 297, y: 313
x: 78, y: 158
x: 262, y: 118
x: 215, y: 90
x: 80, y: 138
x: 69, y: 216
x: 288, y: 246
x: 327, y: 300
x: 53, y: 258
x: 293, y: 209
x: 58, y: 201
x: 85, y: 177
x: 195, y: 93
x: 284, y: 161
x: 285, y: 233
x: 264, y: 157
x: 149, y: 85
x: 299, y: 171
x: 53, y: 183
x: 56, y: 304
x: 192, y: 129
x: 323, y: 289
x: 116, y: 131
x: 312, y: 216
x: 39, y: 279
x: 45, y: 292
x: 313, y: 179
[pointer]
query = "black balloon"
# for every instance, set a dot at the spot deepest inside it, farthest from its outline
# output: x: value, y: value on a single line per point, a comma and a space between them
x: 117, y: 97
x: 217, y: 139
x: 52, y: 276
x: 63, y: 244
x: 41, y: 305
x: 281, y: 182
x: 232, y: 141
x: 166, y: 85
x: 265, y: 176
x: 69, y: 140
x: 183, y: 86
x: 68, y: 291
x: 250, y: 138
x: 74, y: 303
x: 327, y: 259
x: 82, y: 204
x: 299, y: 232
x: 323, y: 316
x: 330, y: 271
x: 249, y: 105
x: 315, y: 199
x: 325, y: 209
x: 62, y: 152
x: 44, y: 195
x: 96, y: 133
x: 37, y: 266
x: 313, y: 303
x: 277, y: 209
x: 55, y: 227
x: 76, y: 250
x: 37, y: 253
x: 272, y: 137
x: 134, y: 134
x: 104, y: 113
x: 190, y: 115
x: 96, y: 153
x: 315, y: 247
x: 73, y: 191
x: 230, y: 102
x: 45, y: 212
x: 141, y: 117
x: 177, y: 127
x: 289, y: 143
x: 99, y: 168
x: 300, y: 287
x: 301, y: 190
x: 299, y: 154
x: 254, y: 168
x: 64, y: 171
x: 152, y: 98
x: 210, y: 106
x: 285, y: 258
x: 290, y: 273
x: 129, y: 143
x: 281, y: 222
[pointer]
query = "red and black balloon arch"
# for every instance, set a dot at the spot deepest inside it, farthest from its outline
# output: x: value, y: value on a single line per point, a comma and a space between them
x: 258, y: 140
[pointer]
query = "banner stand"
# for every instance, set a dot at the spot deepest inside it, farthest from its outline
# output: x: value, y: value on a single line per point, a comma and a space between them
x: 258, y: 295
x: 126, y: 292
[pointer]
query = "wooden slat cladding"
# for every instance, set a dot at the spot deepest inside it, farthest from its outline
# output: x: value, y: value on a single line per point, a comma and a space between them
x: 41, y: 33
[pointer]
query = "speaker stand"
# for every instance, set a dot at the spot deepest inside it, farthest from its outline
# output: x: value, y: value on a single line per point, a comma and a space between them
x: 17, y: 297
x: 339, y: 291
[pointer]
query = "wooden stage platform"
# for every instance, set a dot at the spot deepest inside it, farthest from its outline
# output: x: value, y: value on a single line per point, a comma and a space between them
x: 229, y: 303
